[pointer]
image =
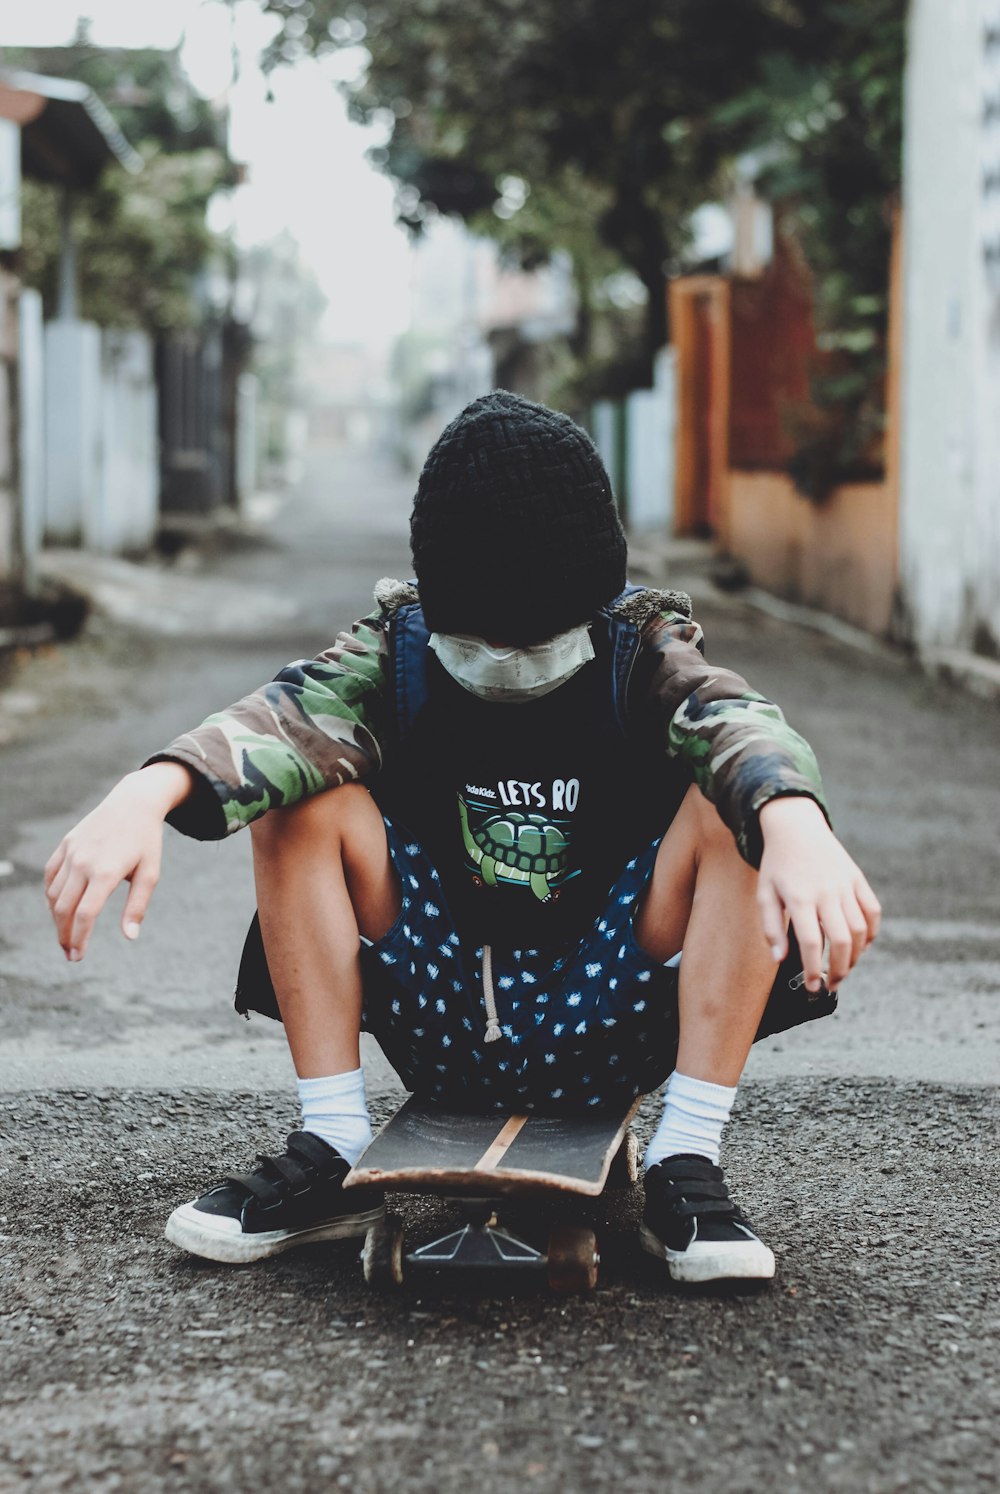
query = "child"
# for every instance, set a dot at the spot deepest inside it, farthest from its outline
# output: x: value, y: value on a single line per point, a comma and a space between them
x: 508, y: 741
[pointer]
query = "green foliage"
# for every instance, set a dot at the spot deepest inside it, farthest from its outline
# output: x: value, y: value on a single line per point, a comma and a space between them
x: 828, y: 126
x: 142, y: 239
x: 572, y: 97
x: 620, y: 120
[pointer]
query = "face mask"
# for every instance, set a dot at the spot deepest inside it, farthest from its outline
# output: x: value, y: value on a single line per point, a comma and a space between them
x: 512, y: 676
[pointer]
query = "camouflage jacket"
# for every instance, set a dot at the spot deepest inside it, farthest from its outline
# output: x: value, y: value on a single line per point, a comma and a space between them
x: 331, y: 720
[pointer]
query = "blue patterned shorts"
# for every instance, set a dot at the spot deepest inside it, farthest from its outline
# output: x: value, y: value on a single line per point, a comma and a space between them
x: 588, y: 1024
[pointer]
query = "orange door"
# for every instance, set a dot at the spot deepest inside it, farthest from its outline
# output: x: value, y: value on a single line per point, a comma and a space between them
x: 699, y: 309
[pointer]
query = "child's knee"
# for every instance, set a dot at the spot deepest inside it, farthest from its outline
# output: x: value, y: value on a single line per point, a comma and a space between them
x: 335, y: 812
x: 712, y: 833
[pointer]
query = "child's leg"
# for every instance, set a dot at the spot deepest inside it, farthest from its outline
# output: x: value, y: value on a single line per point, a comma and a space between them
x: 324, y: 876
x: 702, y: 897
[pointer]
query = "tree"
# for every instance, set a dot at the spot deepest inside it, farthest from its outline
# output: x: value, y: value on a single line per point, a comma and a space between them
x: 618, y: 120
x: 143, y: 239
x: 581, y: 100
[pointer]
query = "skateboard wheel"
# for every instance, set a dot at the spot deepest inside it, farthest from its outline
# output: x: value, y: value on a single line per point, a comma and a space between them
x: 573, y: 1259
x: 624, y: 1170
x: 382, y: 1255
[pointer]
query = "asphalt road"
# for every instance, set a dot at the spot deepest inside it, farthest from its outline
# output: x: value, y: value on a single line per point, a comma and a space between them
x: 864, y: 1145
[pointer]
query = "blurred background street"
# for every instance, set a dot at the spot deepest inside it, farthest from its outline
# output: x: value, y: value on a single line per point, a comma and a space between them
x: 254, y: 254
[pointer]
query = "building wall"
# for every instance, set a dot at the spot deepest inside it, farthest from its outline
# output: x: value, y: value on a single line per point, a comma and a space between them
x: 636, y: 439
x: 72, y: 428
x: 950, y: 511
x: 771, y: 357
x: 840, y: 557
x: 101, y: 449
x: 743, y: 350
x: 700, y: 311
x: 649, y: 435
x: 603, y: 430
x: 11, y: 557
x: 125, y: 519
x: 31, y: 381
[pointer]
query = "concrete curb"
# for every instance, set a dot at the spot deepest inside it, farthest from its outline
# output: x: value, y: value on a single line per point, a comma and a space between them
x: 825, y: 623
x: 974, y: 673
x: 169, y: 600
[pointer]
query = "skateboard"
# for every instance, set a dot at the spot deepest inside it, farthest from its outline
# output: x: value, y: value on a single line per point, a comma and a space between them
x: 484, y: 1163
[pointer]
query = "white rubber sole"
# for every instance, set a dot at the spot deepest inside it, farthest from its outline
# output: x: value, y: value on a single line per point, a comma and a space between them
x: 186, y: 1228
x: 712, y: 1260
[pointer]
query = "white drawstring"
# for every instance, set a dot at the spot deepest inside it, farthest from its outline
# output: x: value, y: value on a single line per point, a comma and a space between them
x: 492, y: 1020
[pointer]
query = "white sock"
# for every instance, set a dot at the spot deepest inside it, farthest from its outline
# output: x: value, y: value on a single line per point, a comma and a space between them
x: 336, y: 1110
x: 694, y: 1113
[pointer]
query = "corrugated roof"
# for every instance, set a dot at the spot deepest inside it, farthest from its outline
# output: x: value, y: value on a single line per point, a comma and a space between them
x: 67, y: 135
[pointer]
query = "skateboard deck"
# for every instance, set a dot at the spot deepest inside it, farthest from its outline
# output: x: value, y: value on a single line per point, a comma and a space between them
x: 426, y: 1149
x: 482, y: 1162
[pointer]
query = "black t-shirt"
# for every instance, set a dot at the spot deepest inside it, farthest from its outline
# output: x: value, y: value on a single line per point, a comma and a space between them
x: 529, y: 811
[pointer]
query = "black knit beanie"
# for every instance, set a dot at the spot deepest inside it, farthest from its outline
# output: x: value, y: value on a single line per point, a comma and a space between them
x: 515, y: 532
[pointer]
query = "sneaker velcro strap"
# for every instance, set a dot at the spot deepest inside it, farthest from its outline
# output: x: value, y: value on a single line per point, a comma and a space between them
x: 689, y: 1208
x: 689, y: 1188
x: 317, y: 1154
x: 273, y: 1179
x: 294, y: 1174
x: 692, y: 1169
x: 258, y: 1186
x: 307, y: 1160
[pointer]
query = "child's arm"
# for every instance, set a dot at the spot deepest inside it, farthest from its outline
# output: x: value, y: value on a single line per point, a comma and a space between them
x: 319, y: 724
x: 763, y: 778
x: 807, y: 876
x: 119, y: 841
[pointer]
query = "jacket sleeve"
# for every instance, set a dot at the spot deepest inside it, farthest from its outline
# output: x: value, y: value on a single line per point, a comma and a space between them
x: 738, y: 746
x: 318, y: 724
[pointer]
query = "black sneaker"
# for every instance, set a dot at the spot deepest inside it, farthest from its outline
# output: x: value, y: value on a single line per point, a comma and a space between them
x: 290, y: 1200
x: 691, y: 1223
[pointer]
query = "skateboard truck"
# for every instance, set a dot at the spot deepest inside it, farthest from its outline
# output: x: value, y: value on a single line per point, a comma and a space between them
x: 570, y: 1260
x: 481, y: 1241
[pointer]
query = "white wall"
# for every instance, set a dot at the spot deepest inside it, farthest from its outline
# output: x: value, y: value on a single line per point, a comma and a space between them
x: 604, y: 439
x: 11, y: 555
x: 10, y: 184
x: 32, y: 415
x: 101, y: 457
x: 648, y: 478
x: 125, y: 516
x: 950, y: 500
x: 650, y: 416
x: 72, y: 428
x: 246, y: 438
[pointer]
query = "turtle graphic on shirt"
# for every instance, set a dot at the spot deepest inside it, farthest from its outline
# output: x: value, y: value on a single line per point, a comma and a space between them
x: 516, y: 846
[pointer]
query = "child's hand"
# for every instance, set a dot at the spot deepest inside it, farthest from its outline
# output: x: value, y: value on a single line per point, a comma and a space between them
x: 120, y: 841
x: 808, y: 877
